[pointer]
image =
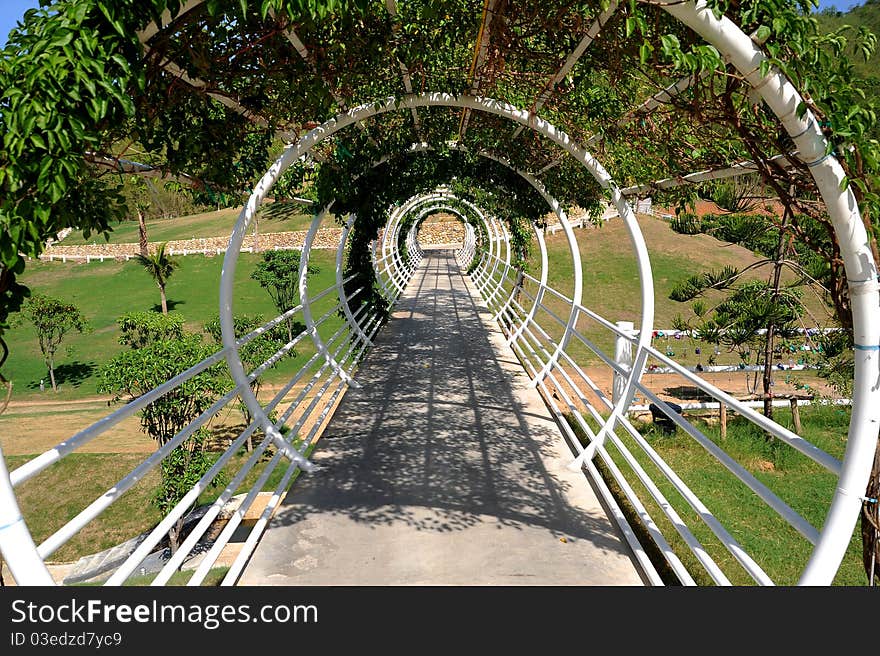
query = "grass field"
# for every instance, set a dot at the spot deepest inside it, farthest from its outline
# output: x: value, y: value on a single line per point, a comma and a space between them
x: 611, y: 283
x: 281, y: 217
x: 104, y: 291
x: 37, y: 420
x: 67, y: 487
x: 801, y: 483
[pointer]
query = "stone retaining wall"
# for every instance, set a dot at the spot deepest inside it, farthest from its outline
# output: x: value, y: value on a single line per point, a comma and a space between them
x: 327, y: 238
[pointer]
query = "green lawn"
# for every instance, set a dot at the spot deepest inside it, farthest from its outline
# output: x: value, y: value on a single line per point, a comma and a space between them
x: 280, y: 217
x: 80, y: 478
x: 72, y: 484
x: 104, y: 291
x: 772, y: 543
x: 213, y: 579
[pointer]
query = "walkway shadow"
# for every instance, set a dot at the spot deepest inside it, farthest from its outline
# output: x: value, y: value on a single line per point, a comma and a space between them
x: 437, y: 438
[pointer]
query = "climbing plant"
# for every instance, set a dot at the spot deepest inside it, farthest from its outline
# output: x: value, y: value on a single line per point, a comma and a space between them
x: 79, y: 79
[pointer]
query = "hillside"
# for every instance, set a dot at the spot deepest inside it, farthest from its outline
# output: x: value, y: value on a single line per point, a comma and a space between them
x: 611, y: 285
x: 274, y: 217
x: 609, y: 268
x: 867, y: 15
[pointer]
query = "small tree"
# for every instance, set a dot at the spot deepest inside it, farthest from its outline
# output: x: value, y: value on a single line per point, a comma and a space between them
x: 278, y: 273
x: 140, y: 329
x: 134, y: 372
x: 181, y: 470
x: 160, y: 266
x: 53, y: 319
x: 138, y: 196
x: 748, y: 320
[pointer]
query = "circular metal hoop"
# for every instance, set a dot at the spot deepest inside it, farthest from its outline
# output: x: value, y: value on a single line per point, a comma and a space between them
x: 842, y: 206
x: 784, y: 100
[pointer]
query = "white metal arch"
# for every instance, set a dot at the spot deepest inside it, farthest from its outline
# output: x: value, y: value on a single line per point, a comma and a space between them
x: 414, y: 229
x: 860, y: 267
x: 783, y: 99
x: 861, y: 270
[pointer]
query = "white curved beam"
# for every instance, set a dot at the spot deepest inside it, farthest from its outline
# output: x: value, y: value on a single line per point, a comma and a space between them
x: 861, y: 270
x: 312, y: 330
x: 346, y: 309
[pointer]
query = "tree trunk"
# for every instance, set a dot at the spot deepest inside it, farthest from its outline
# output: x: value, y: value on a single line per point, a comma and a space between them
x: 518, y: 285
x: 255, y: 388
x: 174, y: 535
x: 51, y: 363
x: 142, y: 232
x: 771, y: 328
x: 164, y: 300
x: 768, y: 372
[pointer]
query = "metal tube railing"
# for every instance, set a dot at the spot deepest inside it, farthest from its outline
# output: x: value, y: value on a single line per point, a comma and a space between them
x: 659, y: 540
x: 250, y: 542
x: 732, y: 545
x: 763, y: 492
x: 48, y: 458
x: 180, y: 508
x: 792, y: 439
x: 693, y: 544
x: 63, y: 534
x: 233, y: 522
x: 207, y: 519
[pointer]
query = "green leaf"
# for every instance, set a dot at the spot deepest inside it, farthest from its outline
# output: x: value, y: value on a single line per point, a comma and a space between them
x: 61, y: 40
x: 762, y: 33
x: 671, y: 45
x: 115, y: 22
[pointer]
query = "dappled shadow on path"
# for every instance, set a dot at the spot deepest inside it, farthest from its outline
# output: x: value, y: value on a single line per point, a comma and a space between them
x: 439, y: 439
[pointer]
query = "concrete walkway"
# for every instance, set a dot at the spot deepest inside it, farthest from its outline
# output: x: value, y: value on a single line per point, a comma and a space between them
x: 445, y: 468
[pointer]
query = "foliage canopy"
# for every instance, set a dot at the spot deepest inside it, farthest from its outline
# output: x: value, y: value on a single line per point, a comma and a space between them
x: 216, y: 91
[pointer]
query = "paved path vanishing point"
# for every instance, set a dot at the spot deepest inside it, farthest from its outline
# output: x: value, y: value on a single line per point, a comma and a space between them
x: 445, y: 468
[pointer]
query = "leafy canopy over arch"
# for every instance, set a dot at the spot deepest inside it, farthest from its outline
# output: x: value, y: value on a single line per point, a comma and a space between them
x: 216, y: 91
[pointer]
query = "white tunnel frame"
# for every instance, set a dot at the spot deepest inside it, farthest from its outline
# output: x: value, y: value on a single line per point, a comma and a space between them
x: 784, y: 100
x: 28, y: 567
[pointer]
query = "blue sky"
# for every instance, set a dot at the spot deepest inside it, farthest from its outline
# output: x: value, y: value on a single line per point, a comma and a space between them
x: 12, y: 10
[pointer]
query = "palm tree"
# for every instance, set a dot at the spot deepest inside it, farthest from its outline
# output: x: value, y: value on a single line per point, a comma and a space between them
x: 160, y: 266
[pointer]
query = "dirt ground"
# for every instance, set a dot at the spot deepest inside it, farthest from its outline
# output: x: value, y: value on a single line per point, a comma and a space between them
x: 676, y: 388
x: 33, y: 427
